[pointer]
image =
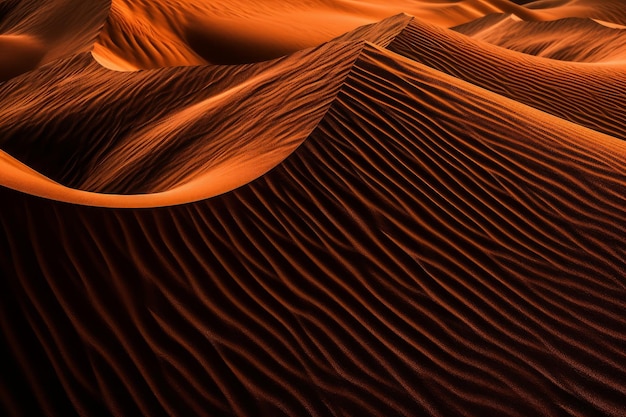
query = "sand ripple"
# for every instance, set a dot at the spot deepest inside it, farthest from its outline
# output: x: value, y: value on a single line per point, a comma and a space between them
x: 401, y: 221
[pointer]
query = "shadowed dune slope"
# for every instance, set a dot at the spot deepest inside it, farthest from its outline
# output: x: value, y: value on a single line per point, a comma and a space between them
x: 34, y: 32
x: 593, y: 96
x: 430, y: 249
x: 147, y: 34
x: 571, y: 39
x: 90, y: 128
x: 26, y: 53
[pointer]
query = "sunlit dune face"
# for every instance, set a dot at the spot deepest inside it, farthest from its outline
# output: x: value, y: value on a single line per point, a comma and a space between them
x: 139, y: 35
x: 610, y: 24
x: 192, y: 32
x: 312, y: 208
x: 193, y: 144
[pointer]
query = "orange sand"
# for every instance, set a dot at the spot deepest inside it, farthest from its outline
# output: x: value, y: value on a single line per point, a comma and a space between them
x: 312, y: 208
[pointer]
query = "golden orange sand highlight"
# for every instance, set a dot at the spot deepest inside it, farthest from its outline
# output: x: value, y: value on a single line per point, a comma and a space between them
x: 402, y: 220
x: 142, y: 34
x: 220, y: 179
x: 245, y: 165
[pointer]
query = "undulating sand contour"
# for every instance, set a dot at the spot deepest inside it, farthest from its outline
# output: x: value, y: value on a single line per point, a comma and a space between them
x: 318, y: 208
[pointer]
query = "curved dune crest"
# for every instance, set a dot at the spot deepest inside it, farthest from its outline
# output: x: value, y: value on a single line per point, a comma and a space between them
x: 116, y: 146
x: 400, y: 261
x: 123, y: 170
x: 593, y: 96
x: 143, y: 34
x: 400, y: 221
x: 218, y: 180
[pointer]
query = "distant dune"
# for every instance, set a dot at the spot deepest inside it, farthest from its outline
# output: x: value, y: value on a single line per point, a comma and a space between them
x: 593, y: 96
x: 320, y: 208
x: 570, y: 39
x: 34, y: 33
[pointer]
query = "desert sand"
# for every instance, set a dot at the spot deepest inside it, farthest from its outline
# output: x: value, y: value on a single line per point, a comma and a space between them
x: 313, y: 208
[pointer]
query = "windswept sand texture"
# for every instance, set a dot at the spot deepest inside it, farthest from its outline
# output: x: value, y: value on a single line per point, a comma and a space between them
x: 318, y: 208
x: 569, y: 39
x: 36, y: 32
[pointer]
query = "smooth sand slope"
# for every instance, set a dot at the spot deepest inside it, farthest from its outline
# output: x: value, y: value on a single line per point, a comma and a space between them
x: 401, y: 221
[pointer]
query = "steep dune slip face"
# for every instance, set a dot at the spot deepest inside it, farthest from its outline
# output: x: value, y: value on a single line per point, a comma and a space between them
x: 401, y: 221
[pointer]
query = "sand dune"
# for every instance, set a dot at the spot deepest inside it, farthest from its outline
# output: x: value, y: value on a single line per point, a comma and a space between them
x: 572, y: 39
x: 593, y: 96
x: 117, y: 144
x: 610, y: 11
x: 395, y: 263
x: 403, y: 220
x: 144, y: 34
x: 33, y: 33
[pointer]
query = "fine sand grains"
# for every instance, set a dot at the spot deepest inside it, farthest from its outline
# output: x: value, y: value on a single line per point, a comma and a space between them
x: 404, y: 220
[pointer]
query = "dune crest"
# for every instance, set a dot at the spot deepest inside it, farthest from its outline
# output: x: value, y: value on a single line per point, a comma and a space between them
x: 393, y: 219
x: 593, y: 96
x: 143, y: 34
x: 122, y: 174
x: 151, y: 152
x: 569, y: 39
x: 34, y: 33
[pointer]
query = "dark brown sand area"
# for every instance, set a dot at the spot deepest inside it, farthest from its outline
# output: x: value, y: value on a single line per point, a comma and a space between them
x: 312, y: 208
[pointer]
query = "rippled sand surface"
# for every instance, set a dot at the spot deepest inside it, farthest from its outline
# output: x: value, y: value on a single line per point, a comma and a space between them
x: 312, y: 208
